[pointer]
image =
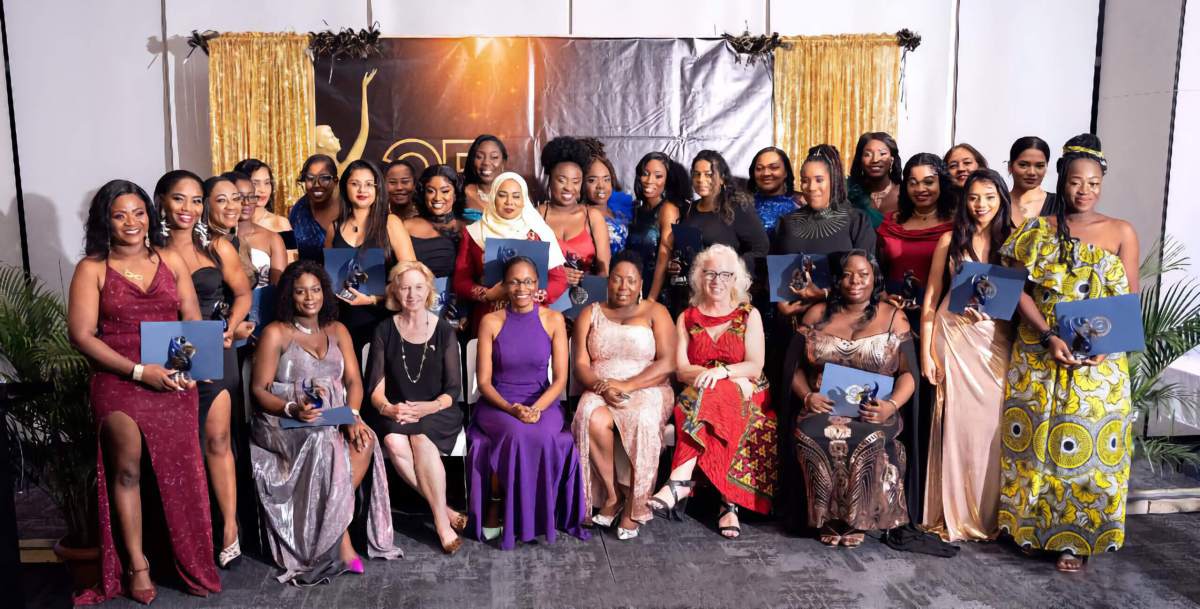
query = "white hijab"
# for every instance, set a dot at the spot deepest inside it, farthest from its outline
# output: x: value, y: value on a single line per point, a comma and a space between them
x: 492, y: 226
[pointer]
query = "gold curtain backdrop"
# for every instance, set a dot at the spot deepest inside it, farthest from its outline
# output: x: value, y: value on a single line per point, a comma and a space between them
x: 262, y: 104
x: 831, y: 89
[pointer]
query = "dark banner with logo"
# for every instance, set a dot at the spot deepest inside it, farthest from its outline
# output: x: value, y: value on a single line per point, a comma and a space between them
x: 427, y: 99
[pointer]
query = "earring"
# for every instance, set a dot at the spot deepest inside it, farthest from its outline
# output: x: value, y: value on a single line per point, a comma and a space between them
x: 163, y: 228
x: 201, y: 230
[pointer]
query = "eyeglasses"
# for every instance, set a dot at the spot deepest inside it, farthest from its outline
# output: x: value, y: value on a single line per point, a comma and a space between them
x: 249, y: 197
x: 722, y: 275
x: 323, y: 179
x: 521, y: 283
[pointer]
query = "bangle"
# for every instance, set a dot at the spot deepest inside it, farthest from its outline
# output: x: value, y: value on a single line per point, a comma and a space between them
x: 1044, y: 338
x: 893, y: 403
x: 136, y: 375
x: 287, y: 410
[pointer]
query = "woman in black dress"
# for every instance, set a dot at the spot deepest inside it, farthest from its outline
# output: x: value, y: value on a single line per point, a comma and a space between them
x: 223, y: 290
x: 721, y: 212
x: 364, y: 221
x: 433, y: 229
x: 415, y: 383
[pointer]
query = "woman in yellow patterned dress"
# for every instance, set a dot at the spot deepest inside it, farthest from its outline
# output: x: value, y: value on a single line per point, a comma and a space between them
x: 1066, y: 425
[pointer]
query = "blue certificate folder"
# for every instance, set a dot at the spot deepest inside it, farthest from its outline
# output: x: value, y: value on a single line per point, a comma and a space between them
x: 497, y: 251
x: 443, y: 294
x: 782, y: 270
x: 207, y: 338
x: 262, y: 307
x: 687, y: 241
x: 593, y: 288
x: 993, y: 289
x: 330, y: 417
x: 337, y: 264
x: 1102, y: 325
x: 846, y: 386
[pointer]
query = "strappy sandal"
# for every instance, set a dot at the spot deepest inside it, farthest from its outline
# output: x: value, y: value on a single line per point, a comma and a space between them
x: 459, y: 523
x: 144, y: 596
x: 605, y: 522
x: 829, y: 536
x: 735, y: 529
x: 1068, y: 562
x: 662, y: 510
x: 853, y: 539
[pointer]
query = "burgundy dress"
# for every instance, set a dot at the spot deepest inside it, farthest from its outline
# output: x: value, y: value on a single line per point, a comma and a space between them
x: 169, y: 426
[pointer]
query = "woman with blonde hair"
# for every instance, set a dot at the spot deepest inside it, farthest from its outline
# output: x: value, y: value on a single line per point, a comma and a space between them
x: 722, y: 424
x: 414, y: 383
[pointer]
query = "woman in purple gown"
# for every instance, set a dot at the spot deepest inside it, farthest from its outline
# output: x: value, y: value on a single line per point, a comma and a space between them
x: 522, y: 461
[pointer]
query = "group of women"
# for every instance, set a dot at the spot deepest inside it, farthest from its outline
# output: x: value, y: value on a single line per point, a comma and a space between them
x: 1025, y: 440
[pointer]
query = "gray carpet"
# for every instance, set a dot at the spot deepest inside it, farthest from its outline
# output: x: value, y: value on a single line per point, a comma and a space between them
x: 687, y: 565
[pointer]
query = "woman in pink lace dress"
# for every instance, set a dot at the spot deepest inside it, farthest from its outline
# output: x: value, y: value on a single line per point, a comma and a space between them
x: 623, y: 354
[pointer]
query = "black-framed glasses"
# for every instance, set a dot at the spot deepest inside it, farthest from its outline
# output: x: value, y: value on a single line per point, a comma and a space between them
x: 722, y: 275
x: 323, y: 179
x: 249, y: 197
x: 521, y: 283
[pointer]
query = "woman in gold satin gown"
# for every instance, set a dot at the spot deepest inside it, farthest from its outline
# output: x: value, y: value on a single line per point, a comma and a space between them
x: 965, y: 356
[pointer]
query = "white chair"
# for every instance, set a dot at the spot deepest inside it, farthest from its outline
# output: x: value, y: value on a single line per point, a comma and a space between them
x: 472, y: 382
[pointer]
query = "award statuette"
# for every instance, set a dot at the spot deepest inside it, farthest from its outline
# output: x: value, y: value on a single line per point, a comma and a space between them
x: 355, y: 277
x: 504, y: 254
x: 862, y: 394
x: 910, y: 290
x: 576, y: 292
x: 983, y: 290
x: 1085, y: 330
x: 312, y: 394
x: 179, y: 358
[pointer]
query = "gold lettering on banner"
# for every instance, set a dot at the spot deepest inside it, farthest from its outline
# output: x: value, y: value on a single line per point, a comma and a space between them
x: 453, y: 152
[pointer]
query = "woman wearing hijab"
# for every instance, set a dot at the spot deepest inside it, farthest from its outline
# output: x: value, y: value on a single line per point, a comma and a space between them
x: 508, y: 214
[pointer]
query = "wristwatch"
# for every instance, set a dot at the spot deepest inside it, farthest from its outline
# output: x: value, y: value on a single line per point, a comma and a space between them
x: 1044, y: 338
x: 288, y: 411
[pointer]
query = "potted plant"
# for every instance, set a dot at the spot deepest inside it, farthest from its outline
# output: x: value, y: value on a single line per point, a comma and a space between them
x: 1171, y: 320
x: 49, y: 419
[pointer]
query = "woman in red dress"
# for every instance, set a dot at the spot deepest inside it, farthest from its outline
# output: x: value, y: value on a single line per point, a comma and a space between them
x: 126, y: 279
x: 908, y: 236
x: 722, y: 424
x: 509, y: 215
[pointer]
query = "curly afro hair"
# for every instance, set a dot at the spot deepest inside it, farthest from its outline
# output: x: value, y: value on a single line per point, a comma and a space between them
x: 565, y: 149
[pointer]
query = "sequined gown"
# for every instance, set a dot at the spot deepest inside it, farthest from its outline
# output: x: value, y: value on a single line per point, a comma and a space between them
x: 853, y: 470
x: 731, y: 436
x: 1067, y: 432
x: 304, y: 481
x: 620, y: 352
x: 169, y: 426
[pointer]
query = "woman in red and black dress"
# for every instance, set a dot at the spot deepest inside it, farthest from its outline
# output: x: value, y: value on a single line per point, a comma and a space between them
x: 587, y: 251
x: 126, y: 279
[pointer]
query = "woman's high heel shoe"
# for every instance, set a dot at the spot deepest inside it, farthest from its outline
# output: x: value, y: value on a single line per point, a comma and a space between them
x: 459, y: 523
x: 490, y: 533
x: 144, y: 596
x: 626, y: 534
x: 603, y: 521
x: 230, y: 554
x: 356, y: 566
x: 453, y: 547
x: 662, y: 510
x: 732, y: 531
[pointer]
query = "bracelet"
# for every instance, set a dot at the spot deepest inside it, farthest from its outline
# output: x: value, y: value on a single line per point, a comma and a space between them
x: 136, y: 375
x: 287, y: 410
x: 1044, y: 338
x: 893, y: 403
x: 355, y: 411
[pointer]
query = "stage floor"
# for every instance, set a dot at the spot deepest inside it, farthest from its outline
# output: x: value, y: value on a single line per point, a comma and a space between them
x: 687, y: 565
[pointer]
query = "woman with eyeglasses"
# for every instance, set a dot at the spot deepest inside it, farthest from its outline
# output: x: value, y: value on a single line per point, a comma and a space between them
x: 722, y: 422
x: 313, y: 214
x: 262, y: 179
x: 365, y: 222
x: 523, y: 470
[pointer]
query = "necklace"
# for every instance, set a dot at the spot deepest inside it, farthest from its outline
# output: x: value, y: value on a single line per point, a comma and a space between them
x: 878, y: 197
x: 132, y: 276
x: 425, y: 349
x: 924, y: 215
x: 302, y: 328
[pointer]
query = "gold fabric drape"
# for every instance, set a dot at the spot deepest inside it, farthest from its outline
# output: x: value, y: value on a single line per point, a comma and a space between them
x: 262, y: 104
x: 832, y: 89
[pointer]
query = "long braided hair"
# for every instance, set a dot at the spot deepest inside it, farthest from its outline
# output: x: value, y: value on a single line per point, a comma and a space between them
x: 1085, y: 146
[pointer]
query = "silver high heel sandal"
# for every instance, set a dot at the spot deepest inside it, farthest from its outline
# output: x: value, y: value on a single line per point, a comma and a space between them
x: 603, y: 521
x: 230, y: 554
x: 626, y: 534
